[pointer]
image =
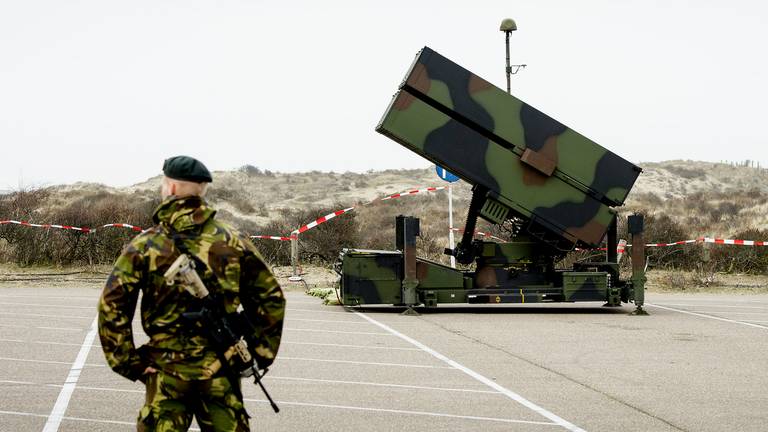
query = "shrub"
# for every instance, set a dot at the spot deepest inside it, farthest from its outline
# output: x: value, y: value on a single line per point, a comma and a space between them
x: 318, y: 245
x: 251, y: 170
x: 660, y: 228
x: 686, y: 173
x: 742, y: 259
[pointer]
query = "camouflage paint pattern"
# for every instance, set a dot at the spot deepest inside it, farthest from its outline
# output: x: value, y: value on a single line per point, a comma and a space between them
x: 518, y: 126
x: 539, y: 168
x: 171, y: 403
x: 585, y: 286
x: 371, y: 277
x: 375, y: 277
x: 557, y: 205
x: 234, y: 269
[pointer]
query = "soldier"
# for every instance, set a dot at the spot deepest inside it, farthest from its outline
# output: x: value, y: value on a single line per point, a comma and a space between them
x: 176, y: 363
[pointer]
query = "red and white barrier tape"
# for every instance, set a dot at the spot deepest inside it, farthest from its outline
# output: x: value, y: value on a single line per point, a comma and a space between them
x: 326, y: 218
x: 264, y: 237
x: 733, y: 242
x: 322, y: 220
x: 123, y: 225
x: 710, y: 240
x: 677, y: 243
x: 69, y: 227
x: 411, y: 192
x: 293, y: 235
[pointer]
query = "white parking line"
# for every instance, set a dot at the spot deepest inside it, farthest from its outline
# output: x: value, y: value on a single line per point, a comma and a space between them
x: 276, y: 378
x: 352, y: 346
x: 365, y: 383
x: 93, y: 298
x: 17, y: 382
x: 47, y: 342
x: 730, y: 300
x: 337, y: 331
x: 80, y: 419
x: 329, y: 321
x: 62, y: 402
x: 765, y: 314
x: 47, y: 362
x: 42, y: 315
x: 509, y: 393
x: 290, y: 309
x: 49, y: 305
x: 42, y: 328
x: 715, y: 306
x: 80, y: 387
x: 305, y: 404
x: 24, y: 414
x: 712, y: 317
x: 364, y: 363
x: 395, y: 411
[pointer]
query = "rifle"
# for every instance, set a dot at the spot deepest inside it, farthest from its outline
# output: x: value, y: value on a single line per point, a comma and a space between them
x: 225, y: 331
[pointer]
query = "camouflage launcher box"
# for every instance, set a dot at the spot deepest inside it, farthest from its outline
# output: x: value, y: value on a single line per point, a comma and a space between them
x: 536, y: 167
x: 558, y: 186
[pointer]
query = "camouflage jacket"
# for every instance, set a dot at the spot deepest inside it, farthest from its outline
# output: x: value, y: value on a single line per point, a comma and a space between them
x: 234, y: 270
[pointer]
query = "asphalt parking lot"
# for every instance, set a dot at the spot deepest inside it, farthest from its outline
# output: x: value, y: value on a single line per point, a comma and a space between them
x: 697, y: 363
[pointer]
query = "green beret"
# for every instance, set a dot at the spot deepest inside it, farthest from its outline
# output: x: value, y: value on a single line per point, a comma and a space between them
x: 186, y: 168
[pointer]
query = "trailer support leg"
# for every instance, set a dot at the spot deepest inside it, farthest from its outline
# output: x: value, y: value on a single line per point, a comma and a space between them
x: 635, y: 224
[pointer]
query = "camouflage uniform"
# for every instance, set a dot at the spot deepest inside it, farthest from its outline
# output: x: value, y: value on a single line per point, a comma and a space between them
x: 234, y: 269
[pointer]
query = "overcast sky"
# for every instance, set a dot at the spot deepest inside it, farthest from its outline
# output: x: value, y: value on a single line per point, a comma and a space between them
x: 103, y: 91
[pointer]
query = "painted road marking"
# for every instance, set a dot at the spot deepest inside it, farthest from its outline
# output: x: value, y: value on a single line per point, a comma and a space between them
x: 47, y: 342
x: 715, y: 305
x: 707, y: 316
x: 80, y: 419
x: 730, y: 300
x: 46, y: 296
x: 328, y: 321
x: 49, y: 305
x: 288, y: 310
x: 352, y: 346
x: 314, y: 405
x: 42, y: 315
x: 337, y: 331
x: 42, y: 328
x: 364, y: 363
x: 47, y: 362
x: 17, y: 382
x: 62, y: 402
x: 735, y: 313
x: 395, y: 411
x: 509, y: 393
x: 271, y: 378
x: 366, y: 383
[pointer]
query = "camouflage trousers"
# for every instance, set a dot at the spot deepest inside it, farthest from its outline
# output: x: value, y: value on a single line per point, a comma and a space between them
x: 171, y: 403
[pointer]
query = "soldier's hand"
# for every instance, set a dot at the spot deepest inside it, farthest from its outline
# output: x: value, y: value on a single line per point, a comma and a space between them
x: 150, y: 370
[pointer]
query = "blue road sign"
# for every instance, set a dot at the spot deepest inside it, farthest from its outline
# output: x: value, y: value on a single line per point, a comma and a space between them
x: 445, y: 175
